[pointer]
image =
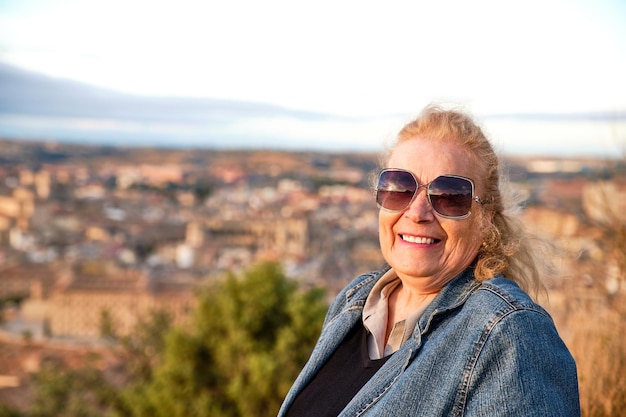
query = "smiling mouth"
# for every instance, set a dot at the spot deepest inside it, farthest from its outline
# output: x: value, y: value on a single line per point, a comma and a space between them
x: 417, y: 239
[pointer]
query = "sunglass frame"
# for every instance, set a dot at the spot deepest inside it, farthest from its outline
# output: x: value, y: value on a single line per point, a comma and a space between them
x: 428, y: 194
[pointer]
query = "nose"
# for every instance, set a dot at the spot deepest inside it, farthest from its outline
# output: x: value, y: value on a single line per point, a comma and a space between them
x: 420, y: 209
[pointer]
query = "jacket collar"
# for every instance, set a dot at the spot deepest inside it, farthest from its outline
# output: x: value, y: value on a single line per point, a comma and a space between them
x: 452, y: 295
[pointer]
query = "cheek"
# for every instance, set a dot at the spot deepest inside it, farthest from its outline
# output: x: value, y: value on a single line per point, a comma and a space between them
x: 470, y: 238
x: 462, y: 231
x: 461, y: 250
x: 474, y: 246
x: 386, y: 221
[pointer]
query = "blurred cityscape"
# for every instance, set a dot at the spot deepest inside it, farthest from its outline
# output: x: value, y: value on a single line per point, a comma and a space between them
x: 93, y: 236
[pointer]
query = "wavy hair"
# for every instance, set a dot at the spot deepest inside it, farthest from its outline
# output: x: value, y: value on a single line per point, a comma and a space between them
x: 507, y: 248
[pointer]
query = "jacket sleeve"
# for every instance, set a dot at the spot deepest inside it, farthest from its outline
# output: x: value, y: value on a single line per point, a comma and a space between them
x: 522, y: 360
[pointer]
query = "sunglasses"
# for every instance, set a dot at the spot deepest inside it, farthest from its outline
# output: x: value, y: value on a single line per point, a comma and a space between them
x: 450, y: 196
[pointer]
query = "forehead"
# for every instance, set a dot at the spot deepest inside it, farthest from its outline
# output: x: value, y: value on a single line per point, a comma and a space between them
x: 428, y: 159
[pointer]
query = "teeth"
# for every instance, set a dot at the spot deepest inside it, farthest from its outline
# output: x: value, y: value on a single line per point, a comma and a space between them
x: 415, y: 239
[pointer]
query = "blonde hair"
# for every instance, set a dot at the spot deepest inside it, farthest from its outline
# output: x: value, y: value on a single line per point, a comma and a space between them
x: 507, y: 248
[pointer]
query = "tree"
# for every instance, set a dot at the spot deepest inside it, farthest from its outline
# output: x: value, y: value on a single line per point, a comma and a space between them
x: 251, y: 335
x: 107, y: 326
x: 93, y: 390
x: 201, y: 191
x: 143, y: 348
x: 6, y: 411
x: 62, y: 391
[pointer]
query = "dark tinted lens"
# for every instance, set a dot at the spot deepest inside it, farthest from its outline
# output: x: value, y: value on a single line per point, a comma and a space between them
x: 451, y: 196
x: 395, y: 189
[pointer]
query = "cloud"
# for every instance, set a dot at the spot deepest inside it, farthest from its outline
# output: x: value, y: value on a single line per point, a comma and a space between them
x: 33, y: 106
x: 350, y: 58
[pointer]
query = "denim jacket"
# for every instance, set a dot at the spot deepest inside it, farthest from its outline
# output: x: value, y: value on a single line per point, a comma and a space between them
x: 479, y: 349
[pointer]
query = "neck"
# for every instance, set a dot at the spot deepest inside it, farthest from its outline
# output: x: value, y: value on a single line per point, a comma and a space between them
x: 404, y: 300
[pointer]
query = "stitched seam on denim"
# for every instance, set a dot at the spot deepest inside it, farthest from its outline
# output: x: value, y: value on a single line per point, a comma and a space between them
x: 358, y: 304
x: 364, y: 280
x: 346, y: 305
x: 513, y: 303
x: 347, y: 309
x: 479, y: 347
x: 469, y: 369
x: 459, y: 302
x: 386, y: 388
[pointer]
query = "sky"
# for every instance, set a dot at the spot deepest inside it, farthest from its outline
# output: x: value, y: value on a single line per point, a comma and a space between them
x: 364, y: 59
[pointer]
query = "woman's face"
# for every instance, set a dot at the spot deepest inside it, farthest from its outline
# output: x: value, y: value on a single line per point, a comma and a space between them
x: 424, y: 249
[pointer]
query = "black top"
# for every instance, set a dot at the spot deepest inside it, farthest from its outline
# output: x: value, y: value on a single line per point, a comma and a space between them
x: 339, y: 379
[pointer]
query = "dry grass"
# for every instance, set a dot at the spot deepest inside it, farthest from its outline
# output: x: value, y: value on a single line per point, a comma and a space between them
x: 594, y: 329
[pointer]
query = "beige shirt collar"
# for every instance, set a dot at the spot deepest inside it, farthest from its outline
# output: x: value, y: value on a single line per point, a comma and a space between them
x: 375, y: 313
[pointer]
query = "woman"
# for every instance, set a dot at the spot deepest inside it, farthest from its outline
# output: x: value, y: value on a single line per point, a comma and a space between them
x: 448, y: 328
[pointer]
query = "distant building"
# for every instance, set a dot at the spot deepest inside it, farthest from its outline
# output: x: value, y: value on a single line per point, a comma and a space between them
x: 20, y: 206
x: 83, y: 303
x: 284, y: 237
x: 18, y: 281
